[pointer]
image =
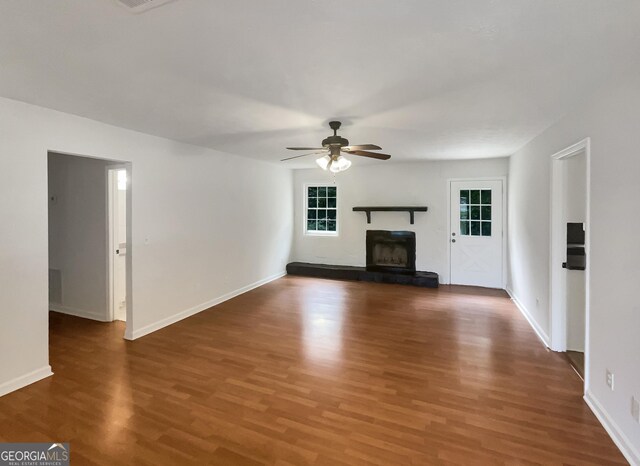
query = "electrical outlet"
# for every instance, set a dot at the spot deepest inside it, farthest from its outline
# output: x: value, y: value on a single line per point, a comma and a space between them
x: 610, y: 379
x: 635, y: 409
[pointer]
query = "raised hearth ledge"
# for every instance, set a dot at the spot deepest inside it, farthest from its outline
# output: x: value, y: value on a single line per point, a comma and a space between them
x: 347, y: 272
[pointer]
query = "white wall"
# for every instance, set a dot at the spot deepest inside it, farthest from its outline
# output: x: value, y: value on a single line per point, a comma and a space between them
x: 204, y: 225
x: 78, y: 235
x: 421, y: 183
x: 611, y: 120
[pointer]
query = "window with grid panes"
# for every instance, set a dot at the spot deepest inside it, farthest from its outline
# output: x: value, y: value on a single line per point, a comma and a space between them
x: 322, y: 210
x: 475, y: 212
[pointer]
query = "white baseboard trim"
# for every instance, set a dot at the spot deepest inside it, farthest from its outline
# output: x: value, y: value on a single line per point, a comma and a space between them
x: 77, y: 312
x: 128, y: 332
x: 542, y: 335
x: 616, y: 434
x: 135, y: 334
x: 26, y: 379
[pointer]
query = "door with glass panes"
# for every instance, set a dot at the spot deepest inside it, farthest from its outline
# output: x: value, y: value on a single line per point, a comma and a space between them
x: 476, y: 233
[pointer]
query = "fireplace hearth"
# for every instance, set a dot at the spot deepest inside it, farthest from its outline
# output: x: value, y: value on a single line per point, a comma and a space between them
x: 391, y: 258
x: 391, y: 251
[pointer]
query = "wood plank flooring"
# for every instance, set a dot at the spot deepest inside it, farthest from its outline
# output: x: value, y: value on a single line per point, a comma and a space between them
x: 305, y: 371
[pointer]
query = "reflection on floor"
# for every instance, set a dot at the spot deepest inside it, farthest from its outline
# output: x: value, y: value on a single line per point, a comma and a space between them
x: 306, y: 371
x: 576, y: 359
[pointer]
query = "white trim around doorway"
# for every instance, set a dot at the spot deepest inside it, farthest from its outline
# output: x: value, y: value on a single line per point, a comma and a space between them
x: 557, y: 312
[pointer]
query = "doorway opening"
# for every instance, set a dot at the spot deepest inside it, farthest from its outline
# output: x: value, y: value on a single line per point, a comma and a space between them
x: 117, y: 213
x: 89, y: 234
x: 476, y: 238
x: 569, y: 261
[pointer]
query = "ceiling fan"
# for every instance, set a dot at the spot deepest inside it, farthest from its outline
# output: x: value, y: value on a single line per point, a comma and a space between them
x: 334, y: 146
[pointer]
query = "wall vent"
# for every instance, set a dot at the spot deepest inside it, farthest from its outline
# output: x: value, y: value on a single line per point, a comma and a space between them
x: 138, y: 6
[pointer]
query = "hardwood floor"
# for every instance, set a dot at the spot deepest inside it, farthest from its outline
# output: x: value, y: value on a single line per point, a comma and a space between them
x: 307, y: 371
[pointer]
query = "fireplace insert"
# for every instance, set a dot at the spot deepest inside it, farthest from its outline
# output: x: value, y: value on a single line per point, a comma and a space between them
x: 391, y: 251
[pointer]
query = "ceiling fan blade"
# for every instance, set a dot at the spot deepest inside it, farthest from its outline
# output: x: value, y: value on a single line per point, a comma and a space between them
x: 305, y: 148
x: 373, y: 155
x: 304, y: 155
x: 363, y: 147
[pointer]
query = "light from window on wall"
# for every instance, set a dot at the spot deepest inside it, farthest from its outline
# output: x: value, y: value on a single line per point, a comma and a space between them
x: 122, y: 180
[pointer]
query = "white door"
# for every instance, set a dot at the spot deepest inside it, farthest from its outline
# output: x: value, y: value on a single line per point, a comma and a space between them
x: 118, y: 227
x: 476, y: 233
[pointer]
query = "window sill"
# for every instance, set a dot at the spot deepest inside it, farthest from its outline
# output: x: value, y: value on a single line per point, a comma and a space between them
x: 321, y: 233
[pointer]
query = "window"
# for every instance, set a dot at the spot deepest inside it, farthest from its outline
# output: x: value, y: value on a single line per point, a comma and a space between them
x: 322, y: 210
x: 475, y: 212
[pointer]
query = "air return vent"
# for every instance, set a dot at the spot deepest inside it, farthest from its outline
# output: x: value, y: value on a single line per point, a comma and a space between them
x: 138, y: 6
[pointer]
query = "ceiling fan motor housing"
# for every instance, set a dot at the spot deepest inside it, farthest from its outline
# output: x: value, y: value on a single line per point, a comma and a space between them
x: 335, y: 140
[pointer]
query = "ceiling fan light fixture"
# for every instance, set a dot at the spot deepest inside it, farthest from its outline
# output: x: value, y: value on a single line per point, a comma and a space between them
x: 340, y: 164
x: 323, y: 162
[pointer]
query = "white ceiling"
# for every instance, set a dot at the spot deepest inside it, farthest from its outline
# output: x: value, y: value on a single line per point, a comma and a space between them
x: 425, y: 79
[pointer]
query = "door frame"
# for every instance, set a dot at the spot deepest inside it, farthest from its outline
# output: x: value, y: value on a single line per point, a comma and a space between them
x: 557, y: 280
x: 111, y: 170
x: 112, y: 163
x: 128, y: 166
x: 502, y: 179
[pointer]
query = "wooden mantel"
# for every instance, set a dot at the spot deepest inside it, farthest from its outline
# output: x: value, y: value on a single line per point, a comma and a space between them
x: 410, y: 209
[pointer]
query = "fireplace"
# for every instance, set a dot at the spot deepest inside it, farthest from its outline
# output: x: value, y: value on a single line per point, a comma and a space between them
x: 391, y: 251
